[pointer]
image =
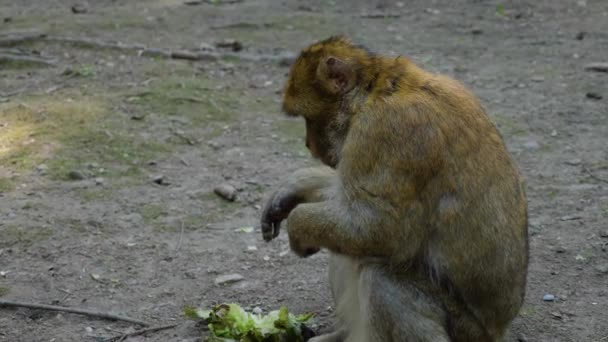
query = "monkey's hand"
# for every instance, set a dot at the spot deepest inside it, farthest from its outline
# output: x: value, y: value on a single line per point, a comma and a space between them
x: 276, y: 210
x: 303, y: 186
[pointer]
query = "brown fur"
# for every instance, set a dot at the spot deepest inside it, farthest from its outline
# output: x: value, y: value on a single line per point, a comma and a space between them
x: 425, y: 201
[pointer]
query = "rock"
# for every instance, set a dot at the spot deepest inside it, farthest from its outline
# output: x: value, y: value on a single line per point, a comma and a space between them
x: 99, y: 181
x: 75, y: 175
x: 228, y: 279
x: 604, y: 233
x: 581, y: 35
x: 537, y: 79
x: 226, y: 191
x: 548, y: 298
x: 573, y: 162
x: 553, y: 133
x: 232, y: 44
x: 532, y: 145
x: 521, y: 338
x: 160, y: 180
x: 476, y: 31
x: 257, y: 310
x: 79, y: 9
x: 214, y: 145
x: 556, y: 315
x: 42, y: 169
x: 560, y: 249
x: 599, y: 67
x: 602, y: 268
x: 593, y: 96
x: 251, y: 248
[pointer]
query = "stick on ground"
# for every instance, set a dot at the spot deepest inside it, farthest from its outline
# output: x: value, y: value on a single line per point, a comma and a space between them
x: 140, y: 332
x: 92, y: 313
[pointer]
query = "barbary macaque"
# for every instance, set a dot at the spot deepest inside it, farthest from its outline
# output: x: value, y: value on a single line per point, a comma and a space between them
x: 419, y: 203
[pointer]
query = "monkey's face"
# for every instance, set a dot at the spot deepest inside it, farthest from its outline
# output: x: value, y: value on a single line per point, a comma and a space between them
x: 315, y: 91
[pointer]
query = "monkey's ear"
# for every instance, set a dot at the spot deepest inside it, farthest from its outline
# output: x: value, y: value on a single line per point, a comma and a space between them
x: 336, y: 75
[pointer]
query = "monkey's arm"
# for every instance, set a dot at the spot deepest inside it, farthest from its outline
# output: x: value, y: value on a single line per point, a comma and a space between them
x: 357, y: 232
x: 303, y: 186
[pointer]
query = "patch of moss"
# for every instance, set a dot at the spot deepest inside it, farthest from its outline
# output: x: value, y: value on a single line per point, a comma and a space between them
x: 4, y: 291
x: 11, y: 235
x: 152, y: 212
x: 6, y: 184
x: 69, y: 133
x: 194, y: 98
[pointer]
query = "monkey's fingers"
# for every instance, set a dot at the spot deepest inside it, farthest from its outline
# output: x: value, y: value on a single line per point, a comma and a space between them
x: 268, y: 230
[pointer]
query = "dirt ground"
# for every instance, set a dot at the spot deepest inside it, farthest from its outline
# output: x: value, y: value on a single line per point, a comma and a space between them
x: 109, y: 158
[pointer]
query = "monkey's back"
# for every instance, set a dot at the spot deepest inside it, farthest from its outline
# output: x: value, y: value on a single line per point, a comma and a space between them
x: 467, y: 189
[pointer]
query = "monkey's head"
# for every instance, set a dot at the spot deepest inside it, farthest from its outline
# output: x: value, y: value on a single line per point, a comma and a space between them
x: 318, y: 87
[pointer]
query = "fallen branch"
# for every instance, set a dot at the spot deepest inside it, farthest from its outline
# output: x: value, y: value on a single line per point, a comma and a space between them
x: 142, y: 50
x: 16, y: 38
x: 139, y: 332
x: 9, y: 56
x: 94, y: 43
x: 92, y: 313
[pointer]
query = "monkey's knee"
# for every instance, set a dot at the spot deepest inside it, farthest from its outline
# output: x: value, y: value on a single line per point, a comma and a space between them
x: 336, y: 336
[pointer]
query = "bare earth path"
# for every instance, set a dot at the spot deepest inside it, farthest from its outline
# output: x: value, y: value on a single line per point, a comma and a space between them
x: 108, y: 159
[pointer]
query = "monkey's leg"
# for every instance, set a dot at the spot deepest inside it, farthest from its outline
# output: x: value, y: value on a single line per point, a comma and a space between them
x: 395, y: 310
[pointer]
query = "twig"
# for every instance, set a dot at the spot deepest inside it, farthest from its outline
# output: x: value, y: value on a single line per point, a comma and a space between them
x: 92, y: 313
x: 242, y: 25
x: 139, y: 332
x: 186, y: 98
x: 380, y: 15
x: 181, y: 236
x: 592, y: 175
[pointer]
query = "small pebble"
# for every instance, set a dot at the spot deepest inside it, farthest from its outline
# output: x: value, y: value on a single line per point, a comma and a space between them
x: 42, y: 169
x: 581, y: 35
x: 549, y: 298
x: 75, y: 175
x: 553, y: 133
x: 531, y: 145
x: 538, y: 79
x: 79, y: 9
x: 99, y: 181
x: 226, y: 191
x: 573, y: 162
x: 604, y: 233
x: 160, y: 180
x: 602, y: 268
x: 257, y: 310
x: 560, y: 249
x: 228, y: 279
x: 599, y: 67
